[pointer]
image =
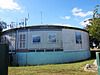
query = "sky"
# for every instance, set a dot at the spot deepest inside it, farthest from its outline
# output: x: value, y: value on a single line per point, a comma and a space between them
x: 54, y: 12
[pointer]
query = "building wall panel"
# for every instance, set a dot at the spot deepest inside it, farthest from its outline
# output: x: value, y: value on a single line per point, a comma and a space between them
x: 69, y: 40
x: 44, y: 40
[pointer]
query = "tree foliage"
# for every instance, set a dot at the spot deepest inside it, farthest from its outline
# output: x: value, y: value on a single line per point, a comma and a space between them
x: 94, y: 28
x: 2, y: 26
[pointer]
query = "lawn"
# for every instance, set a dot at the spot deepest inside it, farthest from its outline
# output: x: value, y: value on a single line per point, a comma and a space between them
x: 53, y: 69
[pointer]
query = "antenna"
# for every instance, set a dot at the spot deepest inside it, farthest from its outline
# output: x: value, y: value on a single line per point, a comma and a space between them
x: 26, y: 19
x: 41, y: 15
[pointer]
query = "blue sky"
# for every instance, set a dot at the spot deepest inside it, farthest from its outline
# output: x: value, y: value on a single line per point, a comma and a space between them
x: 54, y: 12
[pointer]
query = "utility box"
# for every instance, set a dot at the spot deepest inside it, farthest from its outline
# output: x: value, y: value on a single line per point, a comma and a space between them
x: 98, y: 61
x: 4, y: 48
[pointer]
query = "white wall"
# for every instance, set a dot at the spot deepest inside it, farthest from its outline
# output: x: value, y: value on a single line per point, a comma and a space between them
x: 85, y: 40
x: 69, y: 40
x: 65, y: 39
x: 44, y: 44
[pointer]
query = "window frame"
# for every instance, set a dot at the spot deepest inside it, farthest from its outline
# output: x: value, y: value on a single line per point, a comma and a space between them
x: 78, y: 36
x: 55, y: 38
x: 34, y: 36
x: 22, y: 41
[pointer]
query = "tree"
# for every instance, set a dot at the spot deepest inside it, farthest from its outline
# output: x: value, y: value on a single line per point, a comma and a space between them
x: 3, y: 25
x: 94, y: 28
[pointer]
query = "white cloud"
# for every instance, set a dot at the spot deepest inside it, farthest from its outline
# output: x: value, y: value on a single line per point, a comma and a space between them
x: 21, y: 11
x: 63, y: 24
x: 82, y: 14
x: 78, y: 12
x: 66, y: 17
x: 57, y: 24
x: 87, y: 22
x: 9, y: 4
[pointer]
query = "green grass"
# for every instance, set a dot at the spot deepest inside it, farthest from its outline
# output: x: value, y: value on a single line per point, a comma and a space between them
x: 53, y: 69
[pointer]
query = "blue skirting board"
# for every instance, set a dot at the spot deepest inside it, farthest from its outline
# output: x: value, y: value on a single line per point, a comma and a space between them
x: 41, y: 58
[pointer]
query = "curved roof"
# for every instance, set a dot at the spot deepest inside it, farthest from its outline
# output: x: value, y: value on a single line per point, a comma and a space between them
x: 45, y: 27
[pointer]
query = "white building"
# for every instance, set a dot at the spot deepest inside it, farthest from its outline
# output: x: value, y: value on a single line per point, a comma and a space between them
x: 47, y: 44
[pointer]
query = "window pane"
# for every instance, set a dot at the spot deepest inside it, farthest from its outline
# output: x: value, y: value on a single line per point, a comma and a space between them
x: 20, y: 36
x: 52, y: 38
x: 23, y: 44
x: 23, y: 36
x: 20, y: 45
x: 36, y: 39
x: 78, y: 37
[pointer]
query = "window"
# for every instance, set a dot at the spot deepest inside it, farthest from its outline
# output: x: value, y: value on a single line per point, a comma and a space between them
x: 22, y: 40
x: 36, y: 39
x: 78, y: 38
x: 52, y: 38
